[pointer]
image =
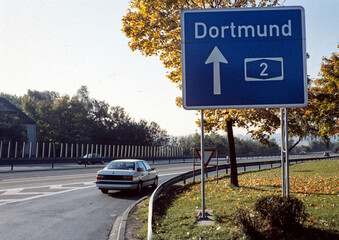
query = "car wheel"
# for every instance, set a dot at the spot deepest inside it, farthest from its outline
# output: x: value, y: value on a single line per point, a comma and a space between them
x: 139, y: 188
x: 155, y: 184
x: 104, y: 191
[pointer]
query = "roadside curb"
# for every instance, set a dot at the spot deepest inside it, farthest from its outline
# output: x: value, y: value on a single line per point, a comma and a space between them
x: 118, y: 230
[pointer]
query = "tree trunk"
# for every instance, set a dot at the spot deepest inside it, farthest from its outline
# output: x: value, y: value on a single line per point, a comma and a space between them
x: 233, y: 161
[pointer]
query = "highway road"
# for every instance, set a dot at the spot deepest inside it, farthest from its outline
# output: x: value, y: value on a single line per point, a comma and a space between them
x: 64, y: 204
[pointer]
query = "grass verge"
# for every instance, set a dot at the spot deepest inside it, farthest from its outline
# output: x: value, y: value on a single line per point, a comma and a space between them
x: 316, y: 184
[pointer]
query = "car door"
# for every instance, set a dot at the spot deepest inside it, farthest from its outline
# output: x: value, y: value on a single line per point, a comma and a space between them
x: 143, y: 174
x: 150, y: 173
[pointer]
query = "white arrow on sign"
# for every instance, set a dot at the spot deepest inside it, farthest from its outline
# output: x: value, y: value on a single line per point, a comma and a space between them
x: 216, y: 58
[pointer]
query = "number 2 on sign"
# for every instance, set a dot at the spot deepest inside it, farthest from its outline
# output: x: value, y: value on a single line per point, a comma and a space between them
x: 263, y: 72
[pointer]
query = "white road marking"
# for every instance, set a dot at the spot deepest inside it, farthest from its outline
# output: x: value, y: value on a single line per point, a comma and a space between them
x: 12, y: 191
x: 63, y: 177
x: 64, y: 188
x: 55, y: 185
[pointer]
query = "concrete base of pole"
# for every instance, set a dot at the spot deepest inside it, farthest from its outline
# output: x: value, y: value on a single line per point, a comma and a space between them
x: 208, y: 220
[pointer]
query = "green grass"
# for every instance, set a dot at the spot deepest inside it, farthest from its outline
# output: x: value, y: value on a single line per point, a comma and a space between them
x: 315, y: 183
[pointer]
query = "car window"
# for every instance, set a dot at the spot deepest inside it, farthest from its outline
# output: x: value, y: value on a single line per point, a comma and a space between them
x: 121, y: 165
x: 148, y: 167
x: 140, y: 165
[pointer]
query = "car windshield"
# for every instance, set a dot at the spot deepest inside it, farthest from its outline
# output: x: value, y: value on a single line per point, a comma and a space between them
x: 121, y: 165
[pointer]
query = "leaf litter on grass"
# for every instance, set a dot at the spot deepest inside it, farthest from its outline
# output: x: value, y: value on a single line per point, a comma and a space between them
x: 315, y: 183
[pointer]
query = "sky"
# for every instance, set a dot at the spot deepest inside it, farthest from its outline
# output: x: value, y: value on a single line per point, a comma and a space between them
x: 61, y: 45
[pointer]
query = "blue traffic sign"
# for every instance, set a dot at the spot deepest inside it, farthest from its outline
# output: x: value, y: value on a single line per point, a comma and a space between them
x: 244, y: 58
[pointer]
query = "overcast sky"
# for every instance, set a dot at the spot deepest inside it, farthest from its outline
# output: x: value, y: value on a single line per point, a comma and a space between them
x: 60, y: 45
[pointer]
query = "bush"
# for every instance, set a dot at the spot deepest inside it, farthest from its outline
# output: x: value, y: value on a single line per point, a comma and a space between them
x: 277, y: 217
x: 282, y: 212
x: 249, y: 225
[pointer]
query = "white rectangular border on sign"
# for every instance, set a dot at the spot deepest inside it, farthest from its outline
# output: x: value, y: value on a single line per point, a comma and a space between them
x: 279, y: 78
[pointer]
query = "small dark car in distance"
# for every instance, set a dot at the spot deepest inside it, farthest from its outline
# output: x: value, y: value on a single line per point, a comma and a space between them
x: 126, y: 174
x: 91, y: 159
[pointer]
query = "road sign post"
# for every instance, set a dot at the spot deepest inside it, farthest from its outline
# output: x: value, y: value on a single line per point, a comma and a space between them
x: 243, y: 58
x: 202, y: 147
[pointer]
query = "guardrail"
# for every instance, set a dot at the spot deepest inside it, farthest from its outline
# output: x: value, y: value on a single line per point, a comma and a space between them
x: 164, y: 187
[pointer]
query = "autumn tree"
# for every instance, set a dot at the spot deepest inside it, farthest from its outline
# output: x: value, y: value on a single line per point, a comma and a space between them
x: 324, y: 105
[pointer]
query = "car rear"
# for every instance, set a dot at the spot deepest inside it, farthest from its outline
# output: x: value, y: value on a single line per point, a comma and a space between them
x: 116, y: 179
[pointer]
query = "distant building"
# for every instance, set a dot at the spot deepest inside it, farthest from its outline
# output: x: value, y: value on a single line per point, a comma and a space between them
x: 14, y: 113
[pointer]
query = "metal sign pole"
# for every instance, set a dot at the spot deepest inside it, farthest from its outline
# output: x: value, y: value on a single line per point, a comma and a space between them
x: 282, y: 126
x: 202, y: 167
x: 287, y: 164
x: 284, y: 152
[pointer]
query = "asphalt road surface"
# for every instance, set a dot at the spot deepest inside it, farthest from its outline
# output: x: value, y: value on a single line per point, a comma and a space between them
x: 64, y: 204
